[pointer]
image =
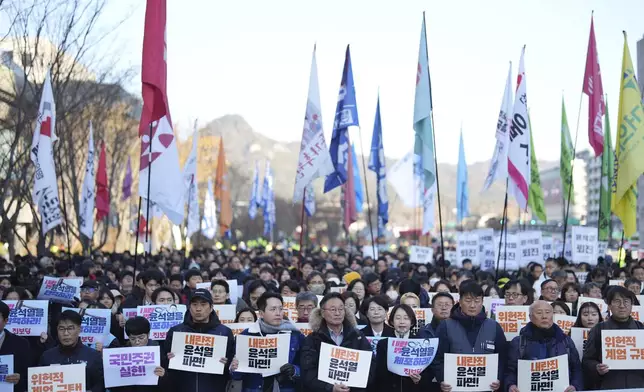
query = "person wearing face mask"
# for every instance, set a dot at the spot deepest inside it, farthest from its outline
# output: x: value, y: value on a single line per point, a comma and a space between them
x: 376, y: 310
x: 540, y: 339
x: 315, y: 283
x: 391, y: 291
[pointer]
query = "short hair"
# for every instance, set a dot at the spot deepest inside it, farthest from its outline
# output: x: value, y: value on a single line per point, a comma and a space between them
x: 4, y: 310
x: 263, y: 299
x: 440, y: 282
x: 306, y: 296
x: 525, y: 289
x: 155, y: 293
x: 409, y: 295
x: 222, y: 283
x: 562, y: 305
x: 267, y: 269
x: 350, y: 294
x: 255, y: 284
x: 442, y: 295
x: 329, y: 297
x: 534, y: 266
x: 251, y: 311
x: 470, y: 287
x: 622, y: 292
x: 410, y: 313
x: 125, y: 273
x: 176, y: 277
x: 291, y: 284
x: 568, y: 286
x: 137, y: 326
x: 581, y: 309
x: 545, y: 282
x: 152, y: 274
x: 380, y: 300
x: 71, y: 316
x: 312, y: 275
x: 354, y: 282
x: 465, y: 261
x: 631, y: 281
x: 587, y: 287
x: 192, y: 273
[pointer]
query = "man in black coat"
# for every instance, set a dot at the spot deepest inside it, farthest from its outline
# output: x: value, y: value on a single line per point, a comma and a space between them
x: 17, y: 346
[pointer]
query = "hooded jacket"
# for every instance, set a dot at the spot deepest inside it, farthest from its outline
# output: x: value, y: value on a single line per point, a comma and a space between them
x: 310, y: 354
x: 200, y: 382
x: 80, y: 353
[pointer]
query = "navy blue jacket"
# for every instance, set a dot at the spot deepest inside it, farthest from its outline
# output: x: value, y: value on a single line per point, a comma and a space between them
x: 537, y: 347
x: 200, y: 382
x: 80, y: 353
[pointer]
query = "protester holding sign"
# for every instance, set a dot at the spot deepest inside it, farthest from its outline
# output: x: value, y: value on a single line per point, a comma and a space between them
x: 620, y: 304
x: 220, y: 290
x: 200, y: 318
x: 71, y: 351
x: 333, y: 325
x: 483, y: 335
x: 18, y: 347
x: 540, y: 339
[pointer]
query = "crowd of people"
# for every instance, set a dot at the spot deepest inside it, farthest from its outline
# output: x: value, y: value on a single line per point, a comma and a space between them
x: 361, y: 297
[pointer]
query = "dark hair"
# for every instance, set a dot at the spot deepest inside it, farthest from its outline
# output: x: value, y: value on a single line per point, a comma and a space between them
x: 562, y: 305
x: 525, y: 289
x: 255, y: 284
x: 22, y: 293
x: 439, y: 282
x: 496, y: 288
x: 621, y: 291
x: 152, y: 274
x: 581, y: 309
x: 191, y: 273
x: 410, y: 313
x: 330, y: 296
x: 267, y: 269
x: 354, y: 282
x: 125, y: 273
x: 71, y: 316
x: 175, y: 277
x: 312, y: 275
x: 381, y: 300
x: 263, y: 299
x: 545, y: 282
x: 137, y: 326
x: 470, y: 287
x: 222, y: 283
x: 585, y: 289
x: 106, y: 292
x: 158, y: 291
x: 534, y: 266
x: 350, y: 294
x: 291, y: 284
x: 442, y: 294
x: 631, y: 281
x: 467, y: 261
x: 4, y: 310
x: 566, y: 287
x: 251, y: 311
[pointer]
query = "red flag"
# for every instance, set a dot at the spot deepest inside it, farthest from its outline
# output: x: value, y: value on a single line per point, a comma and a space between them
x: 102, y: 191
x: 348, y: 190
x: 593, y: 88
x: 154, y: 67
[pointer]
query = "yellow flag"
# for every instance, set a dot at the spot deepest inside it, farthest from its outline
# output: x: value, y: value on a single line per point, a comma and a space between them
x: 629, y: 149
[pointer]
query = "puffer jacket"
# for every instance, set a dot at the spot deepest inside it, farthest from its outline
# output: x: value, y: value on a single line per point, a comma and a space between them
x: 200, y: 382
x: 310, y: 354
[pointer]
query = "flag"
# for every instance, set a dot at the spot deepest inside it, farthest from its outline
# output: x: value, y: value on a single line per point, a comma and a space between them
x: 314, y: 159
x: 402, y: 178
x: 254, y: 194
x: 357, y: 181
x: 499, y: 164
x: 268, y: 200
x: 309, y: 200
x: 346, y: 115
x: 209, y: 220
x: 191, y: 186
x: 158, y: 142
x: 102, y: 188
x: 629, y: 151
x: 86, y: 205
x: 567, y: 155
x: 423, y: 128
x: 378, y: 165
x: 535, y: 200
x: 593, y: 88
x: 45, y: 192
x: 127, y: 181
x: 519, y: 150
x: 608, y: 160
x: 347, y: 198
x: 462, y: 189
x: 222, y: 192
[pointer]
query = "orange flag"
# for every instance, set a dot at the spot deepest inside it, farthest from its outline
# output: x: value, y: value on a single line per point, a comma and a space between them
x: 222, y: 192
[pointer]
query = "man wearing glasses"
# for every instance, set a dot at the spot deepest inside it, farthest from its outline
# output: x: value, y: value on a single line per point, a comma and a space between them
x: 516, y: 293
x: 89, y: 291
x: 305, y: 302
x: 598, y: 375
x: 71, y: 351
x: 442, y: 304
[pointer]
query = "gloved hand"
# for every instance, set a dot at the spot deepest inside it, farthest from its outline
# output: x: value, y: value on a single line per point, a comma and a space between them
x: 287, y: 370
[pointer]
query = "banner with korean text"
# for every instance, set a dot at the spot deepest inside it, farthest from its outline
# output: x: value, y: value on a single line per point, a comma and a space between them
x: 226, y: 313
x: 492, y: 305
x: 421, y: 254
x: 305, y: 328
x: 60, y: 290
x: 544, y: 375
x: 198, y: 353
x: 162, y: 318
x: 262, y: 355
x: 339, y: 365
x: 238, y: 328
x: 6, y: 368
x: 564, y: 322
x: 623, y: 349
x: 96, y: 324
x: 410, y: 356
x: 471, y: 373
x: 373, y: 341
x: 57, y: 378
x: 28, y: 318
x: 579, y: 336
x: 512, y: 319
x: 131, y: 366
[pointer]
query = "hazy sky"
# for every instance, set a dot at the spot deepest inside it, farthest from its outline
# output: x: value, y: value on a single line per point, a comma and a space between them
x: 252, y: 57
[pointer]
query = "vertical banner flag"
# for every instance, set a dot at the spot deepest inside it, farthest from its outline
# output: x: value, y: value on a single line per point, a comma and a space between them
x: 262, y: 355
x: 222, y: 191
x: 28, y: 318
x: 346, y: 366
x: 198, y: 353
x: 595, y: 91
x: 519, y: 150
x: 423, y: 129
x: 314, y: 159
x: 550, y: 374
x: 629, y: 151
x: 268, y: 200
x: 45, y: 192
x: 86, y: 213
x: 309, y: 200
x: 535, y: 200
x: 209, y: 220
x: 608, y: 160
x: 462, y: 189
x: 377, y: 164
x: 471, y: 373
x: 131, y: 366
x: 499, y: 164
x: 161, y: 318
x: 191, y: 186
x: 567, y: 155
x: 57, y: 378
x: 357, y: 180
x: 102, y: 189
x: 346, y: 115
x: 60, y: 290
x: 254, y: 194
x: 623, y: 349
x: 158, y: 143
x: 410, y: 356
x: 127, y: 181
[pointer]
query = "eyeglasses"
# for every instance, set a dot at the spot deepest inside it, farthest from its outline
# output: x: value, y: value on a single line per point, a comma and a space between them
x: 303, y: 308
x: 334, y: 310
x: 88, y: 290
x: 625, y: 303
x: 219, y: 292
x: 64, y: 330
x: 512, y: 295
x: 551, y: 289
x: 443, y: 306
x: 138, y: 339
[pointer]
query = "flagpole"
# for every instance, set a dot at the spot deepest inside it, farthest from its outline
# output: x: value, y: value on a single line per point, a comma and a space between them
x: 147, y: 213
x: 572, y: 170
x: 621, y: 247
x: 302, y: 220
x: 136, y: 241
x: 366, y: 191
x: 69, y: 242
x: 504, y: 227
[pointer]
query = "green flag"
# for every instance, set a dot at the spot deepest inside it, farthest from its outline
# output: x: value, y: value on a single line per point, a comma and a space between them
x: 608, y: 160
x: 535, y: 199
x: 565, y: 162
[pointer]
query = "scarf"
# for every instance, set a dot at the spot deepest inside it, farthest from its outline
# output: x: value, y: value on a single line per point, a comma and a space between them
x: 269, y: 329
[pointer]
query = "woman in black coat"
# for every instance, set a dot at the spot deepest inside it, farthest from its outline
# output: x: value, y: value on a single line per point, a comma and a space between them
x: 376, y: 310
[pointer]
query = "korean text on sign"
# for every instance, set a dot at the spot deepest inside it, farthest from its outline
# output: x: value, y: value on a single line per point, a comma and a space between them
x: 512, y: 319
x: 564, y: 322
x: 623, y: 349
x: 339, y: 365
x: 61, y: 290
x: 162, y: 318
x: 57, y: 378
x: 130, y: 366
x: 6, y: 368
x: 545, y: 375
x: 238, y: 328
x: 471, y: 373
x: 262, y: 355
x: 28, y: 318
x: 95, y: 326
x: 410, y: 356
x: 199, y: 353
x: 579, y: 336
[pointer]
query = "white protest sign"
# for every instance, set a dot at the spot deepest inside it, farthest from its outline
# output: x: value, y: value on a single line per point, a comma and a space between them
x: 424, y: 316
x: 410, y: 356
x: 238, y: 328
x: 471, y: 373
x: 548, y: 249
x: 6, y: 367
x: 512, y: 319
x: 162, y: 318
x: 549, y: 374
x: 637, y: 312
x: 61, y: 290
x: 467, y: 246
x: 262, y: 354
x: 579, y: 336
x: 373, y: 341
x: 509, y: 255
x: 339, y: 365
x: 491, y: 305
x: 128, y: 313
x: 531, y: 246
x: 233, y: 289
x: 581, y: 276
x: 564, y: 322
x: 28, y: 318
x: 584, y: 245
x: 226, y: 313
x: 305, y: 328
x: 368, y: 251
x: 96, y: 324
x: 601, y: 248
x: 130, y: 366
x: 623, y: 349
x: 421, y: 254
x: 451, y: 256
x: 198, y: 353
x: 603, y: 307
x: 57, y: 378
x: 487, y: 250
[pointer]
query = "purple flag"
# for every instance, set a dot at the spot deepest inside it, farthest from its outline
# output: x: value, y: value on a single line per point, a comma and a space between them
x: 127, y: 181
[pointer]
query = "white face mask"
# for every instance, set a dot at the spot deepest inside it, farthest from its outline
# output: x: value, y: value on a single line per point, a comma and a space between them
x: 393, y: 294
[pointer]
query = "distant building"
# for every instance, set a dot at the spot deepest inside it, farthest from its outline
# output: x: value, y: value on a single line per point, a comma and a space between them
x: 553, y: 197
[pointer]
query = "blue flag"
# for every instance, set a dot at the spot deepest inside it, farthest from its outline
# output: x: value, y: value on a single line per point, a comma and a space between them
x: 346, y: 115
x: 268, y: 200
x: 357, y: 182
x: 377, y: 165
x: 462, y: 192
x: 253, y: 203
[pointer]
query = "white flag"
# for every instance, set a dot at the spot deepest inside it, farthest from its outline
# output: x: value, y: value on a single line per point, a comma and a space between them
x: 166, y: 173
x: 404, y: 181
x: 192, y: 190
x: 88, y: 193
x: 499, y: 164
x: 209, y: 221
x: 519, y: 151
x: 309, y: 200
x: 45, y: 192
x: 315, y: 160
